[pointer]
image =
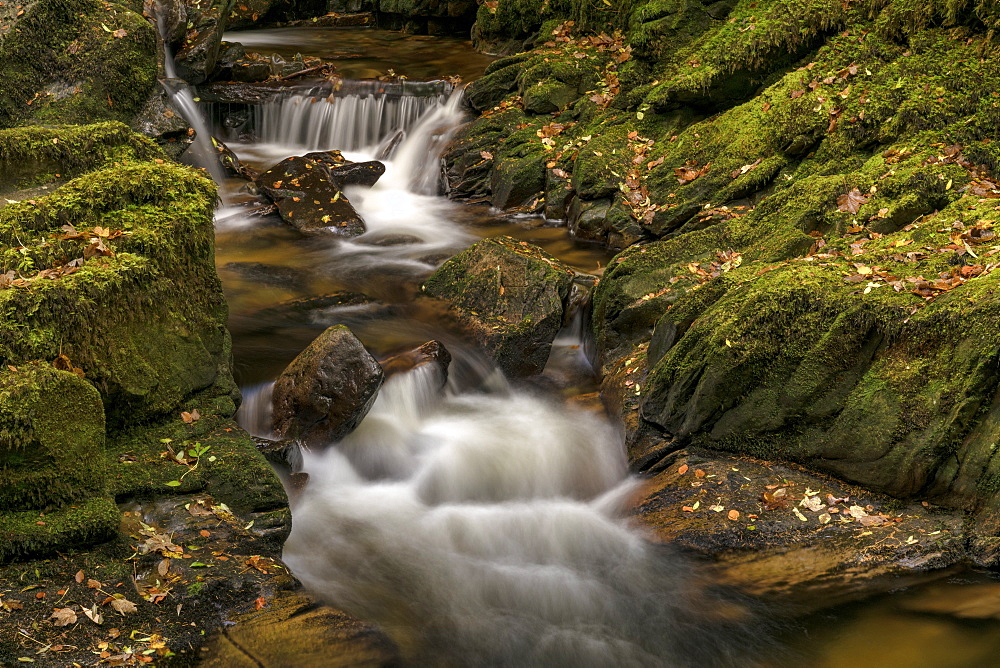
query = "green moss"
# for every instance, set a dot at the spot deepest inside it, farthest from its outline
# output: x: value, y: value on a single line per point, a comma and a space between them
x: 64, y: 64
x: 145, y: 342
x: 51, y: 438
x: 232, y: 470
x: 33, y: 155
x: 26, y: 534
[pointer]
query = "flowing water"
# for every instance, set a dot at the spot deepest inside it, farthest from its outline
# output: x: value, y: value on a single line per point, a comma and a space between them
x: 483, y: 523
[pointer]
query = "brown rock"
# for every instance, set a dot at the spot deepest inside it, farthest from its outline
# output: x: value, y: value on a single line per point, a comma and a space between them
x: 327, y: 390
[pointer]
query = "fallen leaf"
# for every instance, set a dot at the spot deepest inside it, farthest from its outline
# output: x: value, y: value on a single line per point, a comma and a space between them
x: 78, y: 577
x: 94, y: 615
x: 852, y: 201
x: 94, y: 584
x: 260, y: 603
x: 123, y: 606
x: 734, y: 515
x: 121, y: 32
x: 63, y: 616
x: 682, y: 469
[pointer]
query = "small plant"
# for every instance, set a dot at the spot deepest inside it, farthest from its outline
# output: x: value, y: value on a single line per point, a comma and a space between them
x: 191, y: 458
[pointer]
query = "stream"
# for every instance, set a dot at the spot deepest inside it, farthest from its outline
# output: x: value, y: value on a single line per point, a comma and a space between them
x: 486, y: 524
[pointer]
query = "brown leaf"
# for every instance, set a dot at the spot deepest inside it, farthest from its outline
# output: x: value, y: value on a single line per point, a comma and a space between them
x: 682, y: 469
x: 124, y: 606
x: 486, y: 155
x: 78, y: 577
x: 63, y: 616
x: 698, y: 473
x: 690, y: 171
x: 94, y: 584
x: 734, y: 515
x: 193, y: 416
x: 852, y: 201
x: 121, y: 32
x: 259, y: 603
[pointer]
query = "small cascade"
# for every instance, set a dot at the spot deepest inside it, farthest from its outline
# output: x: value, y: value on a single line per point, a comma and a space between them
x: 359, y: 116
x: 181, y: 97
x: 254, y: 414
x: 488, y: 526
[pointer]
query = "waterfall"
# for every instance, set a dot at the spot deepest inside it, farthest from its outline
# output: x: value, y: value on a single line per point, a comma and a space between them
x: 181, y: 97
x: 485, y: 529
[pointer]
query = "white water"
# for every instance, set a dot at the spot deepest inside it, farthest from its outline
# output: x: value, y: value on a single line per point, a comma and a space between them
x: 183, y: 100
x: 486, y: 528
x: 405, y: 203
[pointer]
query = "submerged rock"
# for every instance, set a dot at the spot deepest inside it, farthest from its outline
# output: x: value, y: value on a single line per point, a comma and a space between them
x: 327, y: 390
x: 510, y: 296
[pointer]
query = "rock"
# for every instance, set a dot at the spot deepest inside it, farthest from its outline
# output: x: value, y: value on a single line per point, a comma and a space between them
x: 309, y: 199
x: 327, y: 390
x: 280, y: 276
x: 334, y: 20
x: 52, y: 450
x: 358, y: 173
x: 792, y: 536
x: 198, y: 55
x: 232, y: 163
x: 510, y: 296
x: 173, y: 16
x: 293, y: 630
x: 58, y: 66
x: 432, y: 353
x: 169, y: 345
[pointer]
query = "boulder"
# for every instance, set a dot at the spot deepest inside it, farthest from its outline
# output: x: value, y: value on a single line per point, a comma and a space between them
x: 327, y: 390
x: 98, y: 295
x: 431, y: 354
x: 198, y: 55
x: 59, y: 65
x: 308, y: 191
x: 510, y: 296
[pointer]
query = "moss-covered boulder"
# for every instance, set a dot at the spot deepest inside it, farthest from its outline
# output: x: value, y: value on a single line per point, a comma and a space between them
x: 114, y: 270
x: 510, y: 296
x: 52, y: 447
x: 74, y: 61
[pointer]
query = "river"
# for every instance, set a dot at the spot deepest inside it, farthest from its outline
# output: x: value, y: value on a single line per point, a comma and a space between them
x: 487, y: 524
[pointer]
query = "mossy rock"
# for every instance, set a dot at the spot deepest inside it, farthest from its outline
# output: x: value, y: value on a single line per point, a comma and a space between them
x: 510, y: 296
x: 131, y: 295
x: 30, y: 533
x: 33, y: 155
x: 76, y: 61
x: 51, y: 439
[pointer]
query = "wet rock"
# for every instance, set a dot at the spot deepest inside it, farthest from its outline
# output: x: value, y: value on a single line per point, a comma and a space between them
x: 391, y: 240
x: 358, y: 173
x: 309, y: 198
x: 198, y: 55
x: 327, y: 390
x: 294, y: 631
x: 334, y: 20
x: 784, y: 533
x: 158, y: 120
x: 232, y: 163
x: 231, y: 54
x: 174, y: 18
x: 510, y: 296
x: 432, y: 353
